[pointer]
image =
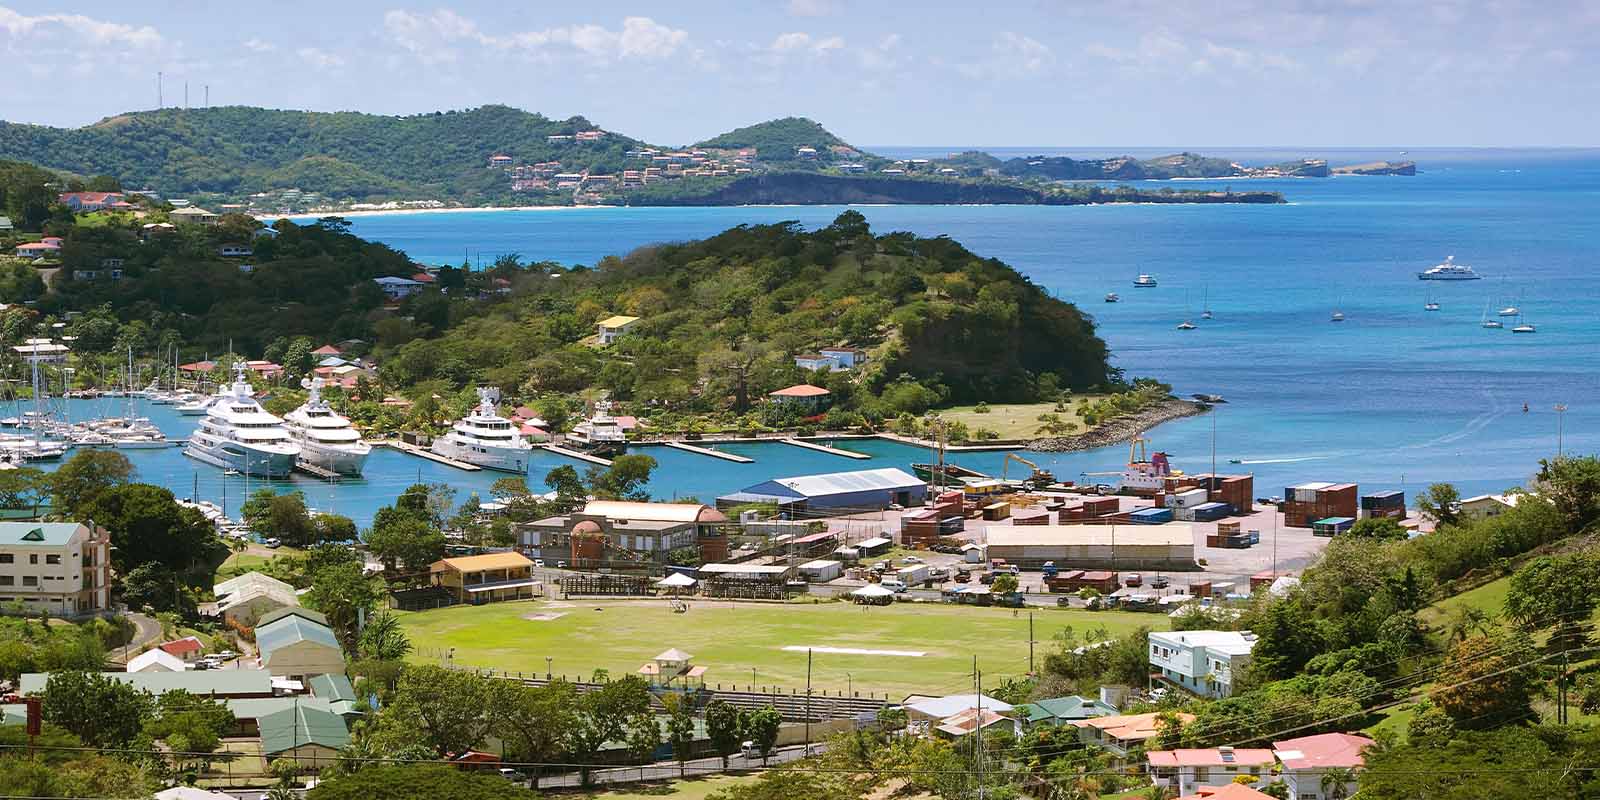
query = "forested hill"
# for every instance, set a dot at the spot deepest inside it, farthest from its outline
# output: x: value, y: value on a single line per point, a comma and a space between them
x: 722, y: 320
x: 782, y: 140
x: 233, y: 149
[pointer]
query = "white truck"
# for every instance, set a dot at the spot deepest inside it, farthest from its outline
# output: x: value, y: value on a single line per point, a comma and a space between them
x: 914, y: 574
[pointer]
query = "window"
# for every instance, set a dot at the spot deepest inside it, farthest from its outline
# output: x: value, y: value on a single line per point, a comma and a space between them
x: 33, y: 558
x: 7, y: 558
x: 1201, y: 774
x: 30, y: 580
x: 7, y: 580
x: 52, y: 559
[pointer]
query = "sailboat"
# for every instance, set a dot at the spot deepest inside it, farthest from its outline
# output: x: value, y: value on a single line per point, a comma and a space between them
x: 1430, y: 304
x: 1510, y: 310
x: 1523, y: 326
x: 1205, y: 304
x: 1489, y: 322
x: 1187, y: 324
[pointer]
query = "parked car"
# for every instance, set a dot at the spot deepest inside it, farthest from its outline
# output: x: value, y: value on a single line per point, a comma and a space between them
x: 749, y: 750
x: 539, y: 562
x: 561, y: 565
x: 962, y: 576
x: 1064, y: 602
x: 274, y: 543
x: 986, y: 578
x: 1133, y: 579
x: 512, y: 775
x: 893, y: 584
x: 911, y: 560
x: 1160, y: 582
x: 225, y: 655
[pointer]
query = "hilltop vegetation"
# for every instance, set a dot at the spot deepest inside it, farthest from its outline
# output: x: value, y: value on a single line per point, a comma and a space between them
x: 779, y: 139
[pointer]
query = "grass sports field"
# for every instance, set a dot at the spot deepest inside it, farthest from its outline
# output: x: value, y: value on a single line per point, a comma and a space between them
x: 730, y: 638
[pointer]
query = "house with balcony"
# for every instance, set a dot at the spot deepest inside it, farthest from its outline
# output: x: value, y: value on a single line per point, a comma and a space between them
x: 1187, y: 771
x: 1202, y: 662
x: 487, y: 578
x: 58, y: 567
x: 1121, y: 733
x: 1308, y: 759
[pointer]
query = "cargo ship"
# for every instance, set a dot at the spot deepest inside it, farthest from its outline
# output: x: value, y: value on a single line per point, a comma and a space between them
x: 1145, y: 475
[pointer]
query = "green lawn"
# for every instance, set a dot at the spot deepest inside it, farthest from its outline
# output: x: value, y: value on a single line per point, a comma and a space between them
x: 691, y: 789
x: 1016, y: 421
x: 1489, y: 598
x: 730, y: 638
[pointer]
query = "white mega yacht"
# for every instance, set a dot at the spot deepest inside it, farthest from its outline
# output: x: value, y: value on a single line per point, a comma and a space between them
x: 238, y: 434
x: 485, y: 438
x: 599, y: 434
x: 325, y: 438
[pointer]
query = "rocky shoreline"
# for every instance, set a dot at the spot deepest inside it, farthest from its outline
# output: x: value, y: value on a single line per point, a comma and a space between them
x: 1120, y: 429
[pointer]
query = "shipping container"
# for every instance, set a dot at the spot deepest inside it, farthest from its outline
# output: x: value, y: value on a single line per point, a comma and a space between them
x: 1210, y: 512
x: 1150, y: 516
x: 1227, y: 527
x: 1030, y: 519
x: 1331, y: 526
x: 1189, y: 498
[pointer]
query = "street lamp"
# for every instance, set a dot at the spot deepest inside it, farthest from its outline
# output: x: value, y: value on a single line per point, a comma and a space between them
x: 547, y: 660
x: 1561, y: 418
x: 850, y: 681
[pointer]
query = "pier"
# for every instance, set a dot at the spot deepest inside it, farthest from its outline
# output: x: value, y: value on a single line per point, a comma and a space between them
x: 822, y: 448
x: 562, y: 451
x: 406, y: 447
x: 706, y: 451
x: 316, y: 471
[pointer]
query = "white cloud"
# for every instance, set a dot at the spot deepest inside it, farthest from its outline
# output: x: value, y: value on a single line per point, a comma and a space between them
x: 321, y: 59
x: 77, y: 27
x: 433, y: 38
x: 1011, y: 54
x: 797, y: 43
x: 258, y: 46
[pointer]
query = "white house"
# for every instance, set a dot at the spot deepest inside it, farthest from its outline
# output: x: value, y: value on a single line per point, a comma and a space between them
x: 42, y: 350
x: 156, y: 660
x: 1203, y: 662
x: 924, y: 714
x: 398, y: 288
x: 1188, y: 770
x: 1489, y: 505
x: 847, y: 357
x: 816, y: 361
x: 1307, y: 759
x: 614, y: 328
x: 59, y: 567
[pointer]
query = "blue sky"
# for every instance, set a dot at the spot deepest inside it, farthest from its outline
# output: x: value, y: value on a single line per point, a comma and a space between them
x: 998, y: 72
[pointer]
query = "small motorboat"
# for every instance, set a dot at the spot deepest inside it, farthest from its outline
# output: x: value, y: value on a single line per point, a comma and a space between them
x: 1144, y: 281
x: 1112, y: 297
x: 1430, y: 306
x: 1186, y: 325
x: 1338, y: 316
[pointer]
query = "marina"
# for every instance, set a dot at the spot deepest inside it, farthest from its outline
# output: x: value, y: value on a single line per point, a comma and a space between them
x: 577, y: 455
x: 706, y: 451
x: 423, y: 452
x: 822, y: 448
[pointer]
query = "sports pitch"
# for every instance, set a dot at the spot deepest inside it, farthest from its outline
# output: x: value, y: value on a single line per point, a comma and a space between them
x: 868, y: 648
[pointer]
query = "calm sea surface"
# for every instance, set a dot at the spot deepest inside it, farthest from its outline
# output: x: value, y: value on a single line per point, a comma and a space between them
x: 1393, y: 397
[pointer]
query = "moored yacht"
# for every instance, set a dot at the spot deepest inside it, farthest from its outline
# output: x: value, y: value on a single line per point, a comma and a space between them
x: 485, y: 438
x: 600, y: 434
x: 326, y: 439
x: 1449, y: 271
x: 1144, y: 281
x: 237, y: 433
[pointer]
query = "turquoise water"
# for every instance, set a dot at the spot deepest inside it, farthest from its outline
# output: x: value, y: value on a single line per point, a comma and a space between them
x: 1394, y: 397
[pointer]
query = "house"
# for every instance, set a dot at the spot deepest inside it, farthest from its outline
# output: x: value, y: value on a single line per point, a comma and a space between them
x: 188, y: 649
x: 243, y: 599
x: 327, y: 350
x: 614, y: 328
x: 816, y: 361
x: 1062, y: 710
x: 397, y: 288
x: 1122, y: 733
x: 5, y: 224
x: 489, y: 578
x: 1202, y: 662
x: 872, y: 489
x: 650, y: 531
x: 43, y: 351
x: 1485, y: 506
x: 1308, y: 759
x: 156, y: 660
x: 235, y: 251
x: 1233, y: 791
x: 191, y: 214
x: 58, y: 567
x: 49, y: 247
x: 266, y: 369
x: 848, y: 357
x: 335, y: 689
x: 309, y: 736
x: 808, y: 398
x: 924, y: 714
x: 82, y: 202
x: 297, y: 643
x: 964, y: 723
x: 1186, y: 771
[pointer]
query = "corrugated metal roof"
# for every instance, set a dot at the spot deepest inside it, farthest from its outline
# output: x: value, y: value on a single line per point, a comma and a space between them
x: 332, y: 687
x: 291, y: 611
x: 37, y: 533
x: 223, y: 682
x: 867, y: 480
x: 293, y: 727
x: 660, y: 512
x: 292, y: 630
x: 507, y: 560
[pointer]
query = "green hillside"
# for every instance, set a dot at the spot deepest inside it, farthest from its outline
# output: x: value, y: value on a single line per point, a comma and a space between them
x: 780, y: 139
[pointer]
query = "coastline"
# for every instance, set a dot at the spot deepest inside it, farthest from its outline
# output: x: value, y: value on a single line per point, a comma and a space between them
x: 1119, y: 430
x: 395, y: 212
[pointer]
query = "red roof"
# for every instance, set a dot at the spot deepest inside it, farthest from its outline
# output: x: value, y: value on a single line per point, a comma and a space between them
x: 178, y: 647
x: 1211, y: 757
x: 199, y: 366
x: 1323, y: 751
x: 800, y: 390
x: 1232, y: 791
x: 422, y: 277
x: 326, y: 350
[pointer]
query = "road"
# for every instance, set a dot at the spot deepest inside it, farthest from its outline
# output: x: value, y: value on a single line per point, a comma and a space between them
x: 146, y: 630
x: 668, y: 770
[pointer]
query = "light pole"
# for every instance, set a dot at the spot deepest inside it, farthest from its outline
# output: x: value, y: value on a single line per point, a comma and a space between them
x: 850, y: 682
x: 547, y: 660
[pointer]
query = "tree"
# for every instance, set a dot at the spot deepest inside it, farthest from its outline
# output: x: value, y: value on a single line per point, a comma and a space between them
x: 1573, y: 485
x: 1555, y: 591
x: 1336, y: 783
x: 1285, y: 640
x: 624, y: 479
x: 723, y: 727
x: 567, y: 485
x: 762, y: 725
x: 452, y: 704
x: 147, y: 525
x: 86, y: 475
x: 410, y: 781
x: 430, y: 502
x: 1004, y: 584
x: 343, y: 593
x: 1487, y: 681
x: 383, y: 639
x: 1383, y: 528
x: 280, y: 516
x: 1441, y: 503
x: 333, y: 528
x: 23, y: 487
x: 603, y: 715
x: 783, y: 784
x: 530, y: 720
x: 404, y: 540
x: 680, y: 731
x: 189, y: 723
x: 155, y: 585
x: 101, y: 711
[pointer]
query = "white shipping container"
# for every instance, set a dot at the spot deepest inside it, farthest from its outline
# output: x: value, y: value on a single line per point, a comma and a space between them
x: 1183, y: 513
x: 914, y: 574
x: 1192, y: 497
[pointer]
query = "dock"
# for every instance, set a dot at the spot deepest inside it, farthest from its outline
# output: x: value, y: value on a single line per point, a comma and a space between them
x: 822, y: 448
x: 315, y: 471
x: 562, y: 451
x: 706, y: 451
x: 407, y: 447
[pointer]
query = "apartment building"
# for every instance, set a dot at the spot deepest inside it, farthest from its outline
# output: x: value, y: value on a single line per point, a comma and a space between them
x: 58, y: 567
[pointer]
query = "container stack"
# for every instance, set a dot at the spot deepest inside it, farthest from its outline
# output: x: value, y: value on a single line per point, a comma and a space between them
x: 1309, y: 502
x: 1390, y: 503
x: 1184, y: 503
x: 1332, y: 526
x: 1238, y: 491
x: 1229, y: 536
x: 1150, y: 516
x: 1041, y: 518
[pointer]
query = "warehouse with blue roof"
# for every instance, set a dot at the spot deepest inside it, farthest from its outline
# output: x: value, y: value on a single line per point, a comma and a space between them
x: 862, y: 490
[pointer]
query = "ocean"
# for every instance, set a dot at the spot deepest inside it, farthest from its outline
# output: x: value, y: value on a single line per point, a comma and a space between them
x: 1394, y: 397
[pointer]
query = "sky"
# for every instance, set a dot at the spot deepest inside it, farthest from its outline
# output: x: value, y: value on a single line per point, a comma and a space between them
x: 1129, y: 73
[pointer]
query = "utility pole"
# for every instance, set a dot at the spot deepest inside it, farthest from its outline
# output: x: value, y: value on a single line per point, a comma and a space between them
x: 208, y: 96
x: 1561, y: 418
x: 160, y: 101
x: 808, y: 702
x: 1030, y: 643
x: 977, y: 731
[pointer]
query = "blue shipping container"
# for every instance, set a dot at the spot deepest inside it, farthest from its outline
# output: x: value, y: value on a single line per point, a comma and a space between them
x: 1151, y: 516
x: 1210, y: 512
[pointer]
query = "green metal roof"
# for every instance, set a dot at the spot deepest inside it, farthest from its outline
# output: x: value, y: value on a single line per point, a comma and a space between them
x: 290, y: 611
x: 332, y: 687
x: 1069, y: 707
x: 258, y: 707
x: 291, y: 630
x: 225, y: 682
x: 37, y: 533
x: 301, y: 725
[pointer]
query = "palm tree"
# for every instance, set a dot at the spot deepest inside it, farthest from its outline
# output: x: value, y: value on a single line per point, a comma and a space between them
x: 1336, y: 783
x: 383, y: 639
x: 1466, y: 621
